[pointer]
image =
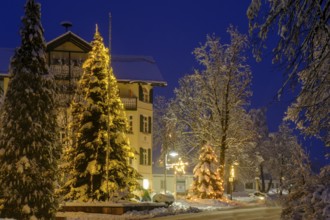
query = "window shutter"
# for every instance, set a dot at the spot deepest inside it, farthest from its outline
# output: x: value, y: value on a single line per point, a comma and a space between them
x: 141, y: 156
x: 149, y: 124
x: 141, y: 123
x: 140, y: 93
x: 149, y: 157
x: 151, y: 92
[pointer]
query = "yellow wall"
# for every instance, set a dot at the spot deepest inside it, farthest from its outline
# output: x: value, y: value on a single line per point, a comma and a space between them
x: 139, y: 139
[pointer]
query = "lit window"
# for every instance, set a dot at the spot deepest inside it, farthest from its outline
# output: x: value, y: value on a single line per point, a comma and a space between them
x: 145, y: 124
x: 145, y: 156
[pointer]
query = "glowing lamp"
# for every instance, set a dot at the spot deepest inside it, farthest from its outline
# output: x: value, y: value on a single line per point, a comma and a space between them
x: 145, y: 184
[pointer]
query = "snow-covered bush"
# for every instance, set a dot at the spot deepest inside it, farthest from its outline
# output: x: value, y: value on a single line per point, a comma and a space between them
x: 165, y: 198
x: 309, y: 198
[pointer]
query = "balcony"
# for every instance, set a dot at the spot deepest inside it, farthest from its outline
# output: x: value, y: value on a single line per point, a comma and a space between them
x: 130, y: 103
x: 63, y: 72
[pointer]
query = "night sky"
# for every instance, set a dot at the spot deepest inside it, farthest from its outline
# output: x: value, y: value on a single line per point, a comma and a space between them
x: 167, y: 30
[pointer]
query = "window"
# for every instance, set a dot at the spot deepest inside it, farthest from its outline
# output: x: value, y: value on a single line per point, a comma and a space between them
x: 145, y: 156
x: 145, y: 124
x: 145, y: 95
x: 130, y: 124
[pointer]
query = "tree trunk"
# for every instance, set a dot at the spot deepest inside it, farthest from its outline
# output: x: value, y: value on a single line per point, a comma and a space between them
x: 281, y: 184
x: 269, y: 185
x: 262, y: 176
x: 222, y: 161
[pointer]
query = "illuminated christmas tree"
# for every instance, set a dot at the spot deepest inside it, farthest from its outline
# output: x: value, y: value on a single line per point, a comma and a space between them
x: 98, y: 160
x: 207, y: 183
x: 28, y: 150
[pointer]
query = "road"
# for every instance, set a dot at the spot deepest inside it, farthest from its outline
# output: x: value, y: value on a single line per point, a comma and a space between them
x: 253, y: 213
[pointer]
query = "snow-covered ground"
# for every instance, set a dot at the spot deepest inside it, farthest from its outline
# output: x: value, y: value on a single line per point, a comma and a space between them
x: 179, y: 207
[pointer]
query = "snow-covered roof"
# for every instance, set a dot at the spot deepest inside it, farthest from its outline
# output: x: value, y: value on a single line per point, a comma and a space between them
x: 130, y: 69
x: 137, y: 69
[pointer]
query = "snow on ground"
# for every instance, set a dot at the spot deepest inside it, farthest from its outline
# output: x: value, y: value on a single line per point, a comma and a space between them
x: 181, y: 206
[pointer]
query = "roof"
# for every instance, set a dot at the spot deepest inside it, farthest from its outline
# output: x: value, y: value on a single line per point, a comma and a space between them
x: 69, y: 37
x: 127, y: 69
x: 141, y: 69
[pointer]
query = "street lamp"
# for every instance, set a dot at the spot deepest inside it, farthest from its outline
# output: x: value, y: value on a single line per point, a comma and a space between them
x: 231, y: 179
x: 167, y: 166
x: 179, y: 169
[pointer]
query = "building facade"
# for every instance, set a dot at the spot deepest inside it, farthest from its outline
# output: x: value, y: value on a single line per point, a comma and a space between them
x: 136, y: 76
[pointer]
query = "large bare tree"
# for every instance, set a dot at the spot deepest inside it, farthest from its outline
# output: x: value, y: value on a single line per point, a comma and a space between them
x: 210, y: 103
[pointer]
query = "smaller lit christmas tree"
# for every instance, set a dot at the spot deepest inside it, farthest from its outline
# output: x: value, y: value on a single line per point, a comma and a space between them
x: 207, y: 182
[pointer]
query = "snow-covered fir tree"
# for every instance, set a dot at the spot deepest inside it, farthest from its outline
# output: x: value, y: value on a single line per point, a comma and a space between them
x: 207, y: 182
x: 98, y: 160
x: 28, y: 149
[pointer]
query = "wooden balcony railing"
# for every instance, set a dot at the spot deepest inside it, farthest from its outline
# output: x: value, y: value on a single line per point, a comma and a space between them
x: 130, y: 103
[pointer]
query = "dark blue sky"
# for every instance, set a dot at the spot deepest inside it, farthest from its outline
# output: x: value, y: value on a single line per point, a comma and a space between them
x: 168, y: 30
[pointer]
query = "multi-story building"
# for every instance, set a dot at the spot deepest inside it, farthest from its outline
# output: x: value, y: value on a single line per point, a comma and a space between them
x: 136, y: 76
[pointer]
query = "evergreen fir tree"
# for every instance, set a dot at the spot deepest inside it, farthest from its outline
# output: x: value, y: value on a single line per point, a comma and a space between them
x: 98, y: 169
x: 207, y: 182
x: 28, y: 149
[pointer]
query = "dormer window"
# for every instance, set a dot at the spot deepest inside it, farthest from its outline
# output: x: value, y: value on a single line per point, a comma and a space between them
x: 145, y: 94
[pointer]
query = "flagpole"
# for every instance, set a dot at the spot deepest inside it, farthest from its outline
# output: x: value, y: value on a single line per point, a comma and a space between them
x: 108, y: 100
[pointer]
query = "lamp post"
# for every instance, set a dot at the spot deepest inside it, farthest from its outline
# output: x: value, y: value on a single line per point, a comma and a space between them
x: 231, y: 179
x: 179, y: 169
x: 166, y: 166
